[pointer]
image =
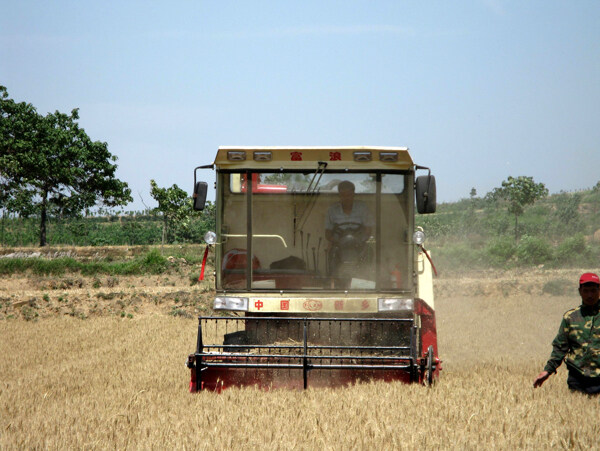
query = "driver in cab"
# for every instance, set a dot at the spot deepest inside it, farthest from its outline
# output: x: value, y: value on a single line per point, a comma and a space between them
x: 348, y: 212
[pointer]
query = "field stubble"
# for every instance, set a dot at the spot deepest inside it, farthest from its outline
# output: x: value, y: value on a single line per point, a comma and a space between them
x: 113, y: 382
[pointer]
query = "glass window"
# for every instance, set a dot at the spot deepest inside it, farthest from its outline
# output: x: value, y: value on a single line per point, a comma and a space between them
x: 317, y: 231
x: 233, y: 228
x: 274, y: 183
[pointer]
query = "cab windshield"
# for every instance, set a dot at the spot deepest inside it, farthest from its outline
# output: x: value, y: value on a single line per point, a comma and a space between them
x: 314, y: 230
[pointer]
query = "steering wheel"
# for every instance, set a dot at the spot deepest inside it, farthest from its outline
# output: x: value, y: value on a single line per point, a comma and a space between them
x: 348, y: 248
x: 348, y: 233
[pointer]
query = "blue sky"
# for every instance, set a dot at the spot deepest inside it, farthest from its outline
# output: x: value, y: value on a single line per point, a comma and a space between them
x: 479, y: 90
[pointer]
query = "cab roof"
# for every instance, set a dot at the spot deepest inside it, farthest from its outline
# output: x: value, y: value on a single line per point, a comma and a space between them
x: 300, y: 157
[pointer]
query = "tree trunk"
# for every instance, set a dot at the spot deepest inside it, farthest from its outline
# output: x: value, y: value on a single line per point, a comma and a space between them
x: 516, y: 229
x: 3, y: 223
x: 43, y: 219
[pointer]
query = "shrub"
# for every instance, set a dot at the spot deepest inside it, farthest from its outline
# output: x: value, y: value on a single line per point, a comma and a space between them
x: 154, y: 262
x: 29, y: 314
x: 194, y: 278
x: 534, y: 250
x: 501, y: 250
x: 572, y: 250
x: 178, y: 312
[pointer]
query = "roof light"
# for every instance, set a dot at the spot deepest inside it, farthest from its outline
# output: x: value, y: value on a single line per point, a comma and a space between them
x: 394, y: 304
x: 263, y: 156
x: 236, y: 155
x: 362, y: 156
x: 388, y: 156
x: 230, y: 303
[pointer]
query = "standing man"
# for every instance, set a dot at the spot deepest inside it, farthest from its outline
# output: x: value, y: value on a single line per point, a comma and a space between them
x: 578, y: 340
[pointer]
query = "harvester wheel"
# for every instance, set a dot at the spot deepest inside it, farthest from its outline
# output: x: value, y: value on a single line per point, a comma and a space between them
x: 429, y: 366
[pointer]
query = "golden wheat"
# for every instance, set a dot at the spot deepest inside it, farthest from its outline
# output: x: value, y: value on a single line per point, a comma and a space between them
x: 112, y: 382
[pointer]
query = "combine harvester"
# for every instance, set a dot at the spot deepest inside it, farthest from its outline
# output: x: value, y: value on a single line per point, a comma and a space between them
x: 321, y: 275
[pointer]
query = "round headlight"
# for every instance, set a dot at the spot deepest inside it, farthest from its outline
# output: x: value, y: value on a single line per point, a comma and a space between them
x: 419, y: 237
x: 210, y: 237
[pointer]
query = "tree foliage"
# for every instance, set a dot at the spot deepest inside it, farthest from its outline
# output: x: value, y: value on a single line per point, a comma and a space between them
x: 518, y: 192
x: 175, y: 206
x: 50, y: 164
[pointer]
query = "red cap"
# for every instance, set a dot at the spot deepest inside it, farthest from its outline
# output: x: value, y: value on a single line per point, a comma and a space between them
x: 589, y: 277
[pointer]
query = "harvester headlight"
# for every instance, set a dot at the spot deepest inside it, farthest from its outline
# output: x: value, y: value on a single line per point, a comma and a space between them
x: 362, y: 156
x: 210, y: 237
x: 388, y: 156
x: 236, y: 155
x: 394, y: 304
x: 263, y: 156
x: 231, y: 303
x: 419, y: 237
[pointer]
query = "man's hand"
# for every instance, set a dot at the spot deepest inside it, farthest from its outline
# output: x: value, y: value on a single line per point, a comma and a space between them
x: 541, y: 378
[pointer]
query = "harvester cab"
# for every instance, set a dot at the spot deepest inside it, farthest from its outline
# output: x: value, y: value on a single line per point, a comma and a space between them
x: 321, y: 274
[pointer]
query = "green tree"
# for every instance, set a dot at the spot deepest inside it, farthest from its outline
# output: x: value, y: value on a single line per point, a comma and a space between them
x: 17, y: 130
x: 48, y: 164
x: 175, y: 206
x: 518, y: 192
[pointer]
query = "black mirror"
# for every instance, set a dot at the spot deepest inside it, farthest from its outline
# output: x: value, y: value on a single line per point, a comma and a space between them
x: 425, y: 192
x: 200, y: 191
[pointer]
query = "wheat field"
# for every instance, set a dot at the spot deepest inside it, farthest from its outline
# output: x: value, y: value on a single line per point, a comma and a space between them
x: 110, y: 382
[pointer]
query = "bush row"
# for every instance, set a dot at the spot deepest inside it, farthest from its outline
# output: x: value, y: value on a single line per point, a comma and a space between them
x: 150, y: 263
x: 91, y: 232
x: 504, y: 252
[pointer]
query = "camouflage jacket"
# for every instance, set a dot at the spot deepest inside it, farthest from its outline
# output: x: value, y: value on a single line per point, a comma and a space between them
x: 578, y: 342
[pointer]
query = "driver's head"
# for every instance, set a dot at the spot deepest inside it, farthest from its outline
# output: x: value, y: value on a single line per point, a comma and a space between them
x: 346, y: 191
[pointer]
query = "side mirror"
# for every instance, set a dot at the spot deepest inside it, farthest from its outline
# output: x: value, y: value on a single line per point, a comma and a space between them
x: 425, y: 193
x: 200, y: 191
